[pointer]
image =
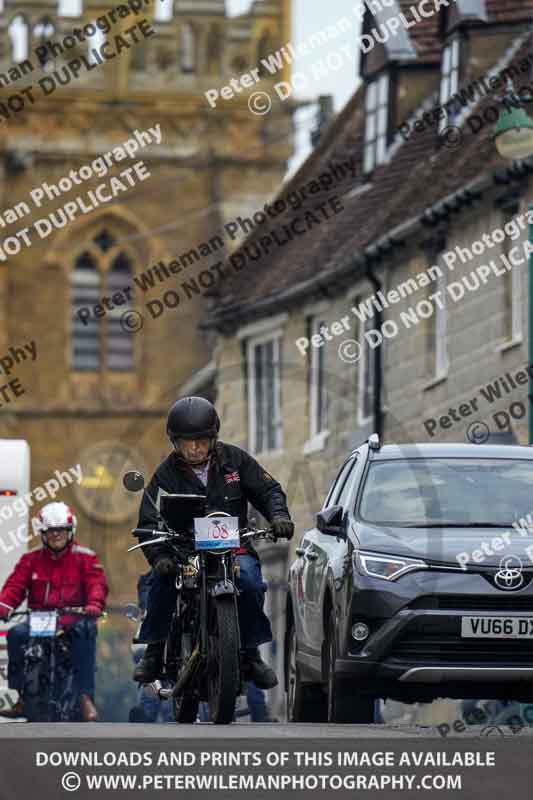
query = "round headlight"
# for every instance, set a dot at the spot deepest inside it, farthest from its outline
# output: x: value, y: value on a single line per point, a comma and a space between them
x: 360, y: 631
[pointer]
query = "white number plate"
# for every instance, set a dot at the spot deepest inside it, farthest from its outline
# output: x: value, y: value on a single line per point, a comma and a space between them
x: 43, y: 623
x: 217, y: 533
x: 497, y: 627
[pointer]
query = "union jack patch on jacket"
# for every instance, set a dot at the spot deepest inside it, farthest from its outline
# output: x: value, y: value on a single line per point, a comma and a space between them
x: 232, y: 477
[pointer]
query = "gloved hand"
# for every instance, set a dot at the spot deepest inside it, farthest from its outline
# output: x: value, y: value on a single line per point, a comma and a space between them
x: 92, y: 611
x: 165, y: 566
x: 282, y: 528
x: 4, y: 613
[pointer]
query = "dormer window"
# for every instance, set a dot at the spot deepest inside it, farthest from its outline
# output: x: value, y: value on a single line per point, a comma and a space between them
x: 377, y: 122
x: 449, y: 82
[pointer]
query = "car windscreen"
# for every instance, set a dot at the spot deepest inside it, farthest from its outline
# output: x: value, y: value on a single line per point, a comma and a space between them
x: 437, y: 491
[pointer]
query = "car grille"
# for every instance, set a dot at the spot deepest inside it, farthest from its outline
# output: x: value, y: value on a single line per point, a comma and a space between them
x: 451, y: 648
x: 469, y: 602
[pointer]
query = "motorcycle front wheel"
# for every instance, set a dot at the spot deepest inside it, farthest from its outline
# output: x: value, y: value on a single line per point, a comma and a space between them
x: 223, y: 660
x: 186, y: 708
x: 38, y: 705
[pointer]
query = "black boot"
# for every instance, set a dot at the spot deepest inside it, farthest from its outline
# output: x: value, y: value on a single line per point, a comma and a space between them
x: 257, y: 671
x: 151, y: 664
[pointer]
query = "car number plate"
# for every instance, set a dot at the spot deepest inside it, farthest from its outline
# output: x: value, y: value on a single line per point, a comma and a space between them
x: 216, y: 533
x: 497, y: 627
x: 43, y: 623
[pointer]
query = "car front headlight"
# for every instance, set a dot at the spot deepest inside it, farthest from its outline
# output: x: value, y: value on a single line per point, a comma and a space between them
x: 389, y: 568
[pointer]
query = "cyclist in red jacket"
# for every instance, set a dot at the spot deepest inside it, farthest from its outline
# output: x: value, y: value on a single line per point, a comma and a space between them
x: 57, y: 575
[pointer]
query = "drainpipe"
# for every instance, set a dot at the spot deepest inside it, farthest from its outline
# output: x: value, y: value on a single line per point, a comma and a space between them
x: 378, y: 365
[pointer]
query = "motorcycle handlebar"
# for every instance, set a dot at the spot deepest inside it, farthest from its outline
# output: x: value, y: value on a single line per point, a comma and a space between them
x: 145, y: 532
x: 245, y: 533
x: 262, y: 533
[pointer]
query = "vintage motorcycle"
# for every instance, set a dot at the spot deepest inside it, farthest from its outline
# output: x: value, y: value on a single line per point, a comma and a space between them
x: 50, y: 683
x: 203, y: 649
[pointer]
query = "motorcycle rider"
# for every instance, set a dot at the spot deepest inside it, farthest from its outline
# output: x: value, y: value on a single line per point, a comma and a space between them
x: 60, y: 573
x: 229, y: 477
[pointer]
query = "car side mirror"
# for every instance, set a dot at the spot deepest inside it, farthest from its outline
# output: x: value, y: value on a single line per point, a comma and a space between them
x: 329, y: 521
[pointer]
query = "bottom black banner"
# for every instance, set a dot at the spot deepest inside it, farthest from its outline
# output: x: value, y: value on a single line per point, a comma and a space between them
x: 257, y: 768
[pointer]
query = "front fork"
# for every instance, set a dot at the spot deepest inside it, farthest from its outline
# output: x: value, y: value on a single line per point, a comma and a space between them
x: 225, y: 585
x: 208, y: 593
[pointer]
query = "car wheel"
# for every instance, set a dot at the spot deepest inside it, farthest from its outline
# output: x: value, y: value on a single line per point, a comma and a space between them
x: 305, y: 702
x: 344, y: 705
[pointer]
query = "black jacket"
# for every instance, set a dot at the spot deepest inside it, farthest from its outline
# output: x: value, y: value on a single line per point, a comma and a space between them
x: 234, y: 479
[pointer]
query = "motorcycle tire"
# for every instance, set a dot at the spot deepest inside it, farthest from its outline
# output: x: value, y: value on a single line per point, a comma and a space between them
x: 37, y: 686
x: 223, y: 660
x: 66, y: 695
x: 186, y: 708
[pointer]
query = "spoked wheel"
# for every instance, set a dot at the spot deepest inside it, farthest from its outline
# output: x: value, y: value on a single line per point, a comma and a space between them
x: 223, y: 667
x: 305, y: 703
x: 344, y: 705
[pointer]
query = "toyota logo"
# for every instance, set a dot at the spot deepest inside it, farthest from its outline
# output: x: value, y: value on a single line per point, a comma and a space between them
x: 509, y: 577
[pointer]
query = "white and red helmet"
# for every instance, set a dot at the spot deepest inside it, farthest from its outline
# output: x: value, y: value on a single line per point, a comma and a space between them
x: 56, y: 515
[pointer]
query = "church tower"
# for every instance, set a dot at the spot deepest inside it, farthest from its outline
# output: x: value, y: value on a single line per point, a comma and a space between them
x: 110, y: 288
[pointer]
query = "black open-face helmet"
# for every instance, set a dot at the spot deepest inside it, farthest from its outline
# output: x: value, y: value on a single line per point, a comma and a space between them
x: 192, y: 418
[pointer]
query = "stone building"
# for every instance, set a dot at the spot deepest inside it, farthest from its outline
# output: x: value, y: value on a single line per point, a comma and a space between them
x: 429, y: 203
x: 102, y: 381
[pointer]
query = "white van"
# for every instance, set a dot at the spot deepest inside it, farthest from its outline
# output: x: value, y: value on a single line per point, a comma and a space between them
x: 14, y: 483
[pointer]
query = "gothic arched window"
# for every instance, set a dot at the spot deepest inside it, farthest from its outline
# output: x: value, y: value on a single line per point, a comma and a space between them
x: 44, y: 29
x: 95, y: 42
x: 86, y: 293
x: 214, y: 50
x: 188, y: 48
x: 265, y: 48
x: 101, y: 339
x: 19, y: 34
x: 119, y: 341
x: 43, y: 32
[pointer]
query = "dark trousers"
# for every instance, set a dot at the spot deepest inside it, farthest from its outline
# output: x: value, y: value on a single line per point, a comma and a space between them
x: 254, y: 624
x: 83, y: 652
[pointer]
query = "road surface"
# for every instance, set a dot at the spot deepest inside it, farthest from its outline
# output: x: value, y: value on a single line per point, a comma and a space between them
x: 120, y: 730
